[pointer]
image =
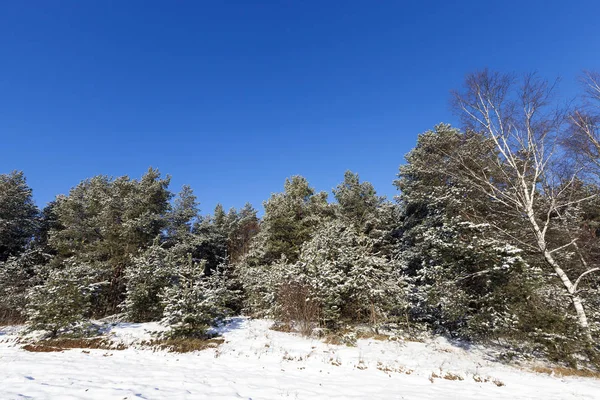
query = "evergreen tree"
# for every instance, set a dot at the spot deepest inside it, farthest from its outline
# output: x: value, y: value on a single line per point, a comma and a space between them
x: 466, y: 278
x: 17, y: 276
x: 148, y: 276
x: 196, y: 301
x: 358, y: 201
x: 290, y: 219
x: 18, y: 214
x: 183, y: 215
x: 347, y: 277
x: 103, y: 222
x: 210, y: 241
x: 64, y: 298
x: 242, y: 227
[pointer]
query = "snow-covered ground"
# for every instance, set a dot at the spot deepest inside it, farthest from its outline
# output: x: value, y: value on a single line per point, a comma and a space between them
x: 258, y: 363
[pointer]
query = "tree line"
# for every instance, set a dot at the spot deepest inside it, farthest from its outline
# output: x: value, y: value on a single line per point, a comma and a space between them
x: 493, y: 236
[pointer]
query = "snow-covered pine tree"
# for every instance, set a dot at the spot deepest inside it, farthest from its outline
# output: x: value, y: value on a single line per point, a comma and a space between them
x: 182, y: 216
x: 104, y: 222
x: 148, y: 276
x: 196, y: 301
x: 291, y: 218
x: 17, y: 276
x: 358, y: 202
x: 349, y: 280
x: 64, y: 299
x: 18, y: 214
x: 464, y: 280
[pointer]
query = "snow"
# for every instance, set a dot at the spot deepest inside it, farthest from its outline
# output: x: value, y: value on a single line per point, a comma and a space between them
x: 258, y: 363
x: 131, y: 334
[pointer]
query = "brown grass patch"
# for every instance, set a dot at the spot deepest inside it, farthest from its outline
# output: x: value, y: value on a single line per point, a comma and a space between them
x: 185, y: 345
x: 388, y: 369
x: 61, y: 344
x: 282, y: 327
x: 450, y: 376
x: 481, y: 379
x: 333, y: 339
x: 372, y: 335
x: 40, y: 348
x: 565, y: 371
x: 498, y: 382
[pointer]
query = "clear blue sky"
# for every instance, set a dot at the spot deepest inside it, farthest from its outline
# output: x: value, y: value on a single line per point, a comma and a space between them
x: 233, y: 97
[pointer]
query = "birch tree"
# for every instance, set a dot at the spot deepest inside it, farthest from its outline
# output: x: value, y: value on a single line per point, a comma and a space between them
x: 584, y: 138
x: 526, y: 129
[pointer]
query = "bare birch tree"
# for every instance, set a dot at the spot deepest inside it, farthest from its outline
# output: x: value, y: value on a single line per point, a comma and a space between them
x: 584, y: 138
x: 525, y: 130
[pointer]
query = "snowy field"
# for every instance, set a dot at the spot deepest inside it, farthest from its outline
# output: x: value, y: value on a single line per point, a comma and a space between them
x: 258, y: 363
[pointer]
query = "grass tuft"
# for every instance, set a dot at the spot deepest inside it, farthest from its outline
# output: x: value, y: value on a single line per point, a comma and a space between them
x: 565, y: 371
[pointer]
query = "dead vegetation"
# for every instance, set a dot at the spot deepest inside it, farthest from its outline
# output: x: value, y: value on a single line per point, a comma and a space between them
x: 61, y: 344
x: 285, y: 327
x: 374, y: 336
x: 566, y: 371
x: 451, y: 376
x: 175, y: 345
x: 184, y: 345
x: 299, y: 307
x: 481, y: 379
x: 388, y: 369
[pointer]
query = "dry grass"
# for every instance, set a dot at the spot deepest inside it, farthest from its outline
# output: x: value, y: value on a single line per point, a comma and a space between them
x: 372, y: 335
x: 450, y: 376
x: 497, y: 382
x: 414, y: 339
x: 345, y: 336
x: 481, y: 379
x: 333, y: 339
x: 565, y: 371
x: 40, y: 348
x: 335, y: 361
x: 184, y: 345
x: 282, y: 327
x: 61, y: 344
x: 388, y: 369
x: 361, y: 365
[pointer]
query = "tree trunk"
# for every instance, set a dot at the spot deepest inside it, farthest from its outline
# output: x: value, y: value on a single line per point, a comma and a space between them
x: 575, y: 299
x: 569, y: 286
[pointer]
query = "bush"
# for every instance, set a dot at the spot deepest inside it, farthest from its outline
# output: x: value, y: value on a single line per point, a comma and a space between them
x: 196, y: 302
x: 147, y: 278
x: 62, y: 301
x: 297, y: 305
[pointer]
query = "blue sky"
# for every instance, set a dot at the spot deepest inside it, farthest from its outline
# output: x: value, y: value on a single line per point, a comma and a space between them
x: 233, y: 97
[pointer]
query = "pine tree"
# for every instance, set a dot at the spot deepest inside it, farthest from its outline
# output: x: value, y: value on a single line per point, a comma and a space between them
x: 210, y: 242
x: 63, y: 301
x: 183, y: 215
x: 17, y: 276
x: 466, y: 279
x: 196, y: 301
x: 347, y: 277
x: 290, y: 219
x: 358, y: 201
x: 103, y: 222
x: 243, y: 226
x: 18, y: 214
x: 148, y: 276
